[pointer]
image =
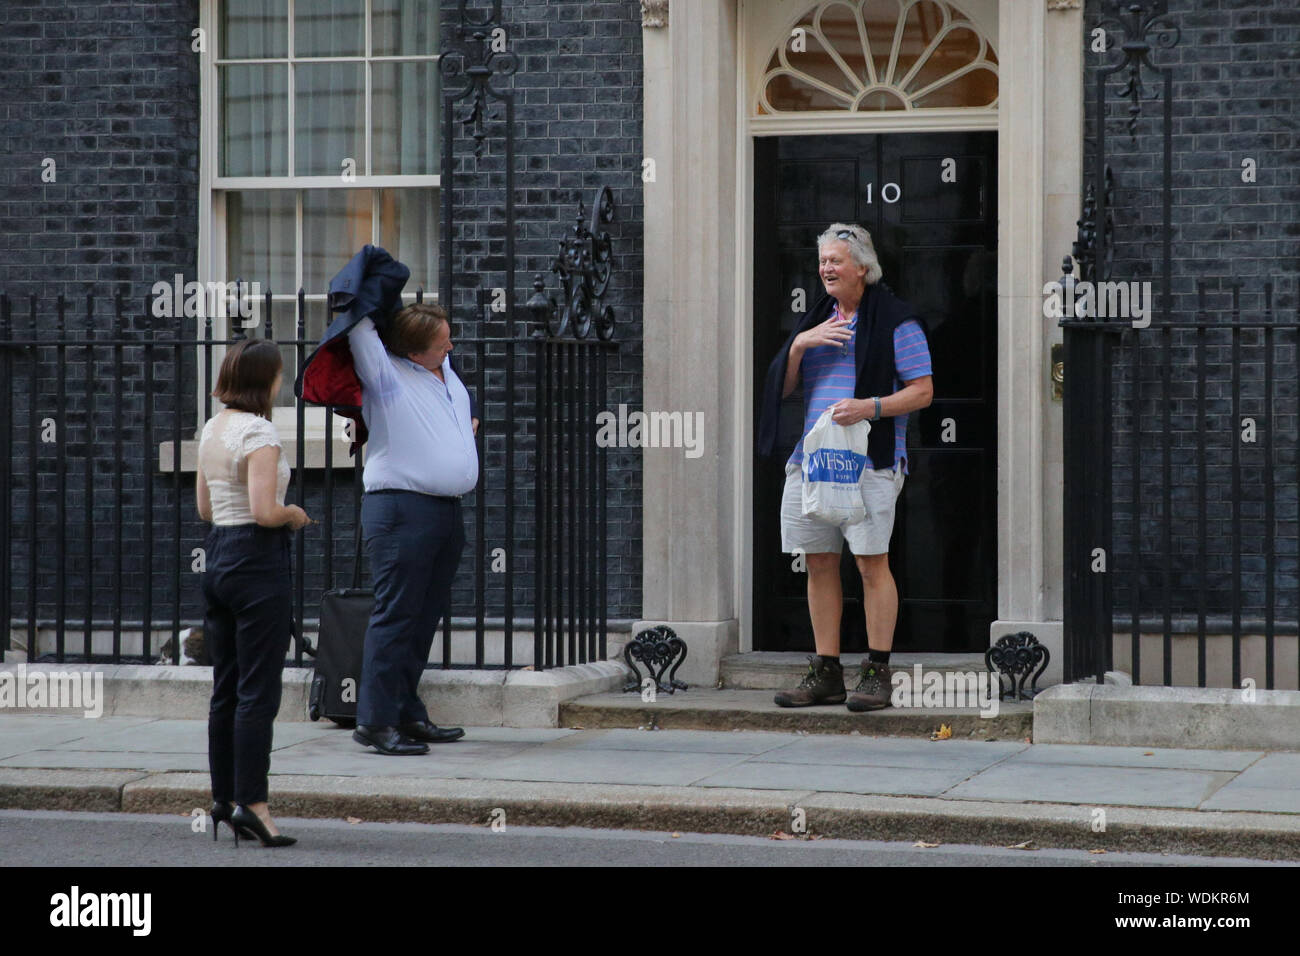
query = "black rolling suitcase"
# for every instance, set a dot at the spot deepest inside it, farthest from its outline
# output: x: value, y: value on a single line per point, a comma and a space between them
x: 344, y: 616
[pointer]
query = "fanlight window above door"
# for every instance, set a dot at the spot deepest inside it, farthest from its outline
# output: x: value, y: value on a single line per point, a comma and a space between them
x: 877, y: 55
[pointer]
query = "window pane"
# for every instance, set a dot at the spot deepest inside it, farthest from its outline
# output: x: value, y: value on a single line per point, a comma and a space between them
x: 254, y: 28
x: 408, y: 229
x: 254, y: 120
x: 284, y: 319
x: 959, y: 47
x: 329, y: 28
x: 979, y: 87
x: 403, y: 27
x: 260, y: 239
x: 404, y: 111
x: 328, y: 119
x: 284, y: 325
x: 335, y: 225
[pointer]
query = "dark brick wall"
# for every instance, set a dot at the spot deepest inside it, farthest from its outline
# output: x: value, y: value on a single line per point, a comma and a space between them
x: 578, y: 97
x: 110, y: 92
x: 1236, y: 95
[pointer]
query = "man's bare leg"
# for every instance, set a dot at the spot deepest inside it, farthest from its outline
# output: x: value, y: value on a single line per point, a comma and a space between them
x: 825, y: 601
x: 880, y: 596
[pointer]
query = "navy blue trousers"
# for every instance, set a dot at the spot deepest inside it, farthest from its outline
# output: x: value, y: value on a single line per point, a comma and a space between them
x: 414, y: 543
x: 246, y: 587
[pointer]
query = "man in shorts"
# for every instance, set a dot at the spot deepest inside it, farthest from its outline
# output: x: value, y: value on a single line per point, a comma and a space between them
x: 861, y: 352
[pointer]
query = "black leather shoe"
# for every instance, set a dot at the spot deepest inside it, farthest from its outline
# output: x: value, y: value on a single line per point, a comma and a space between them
x: 388, y: 740
x: 423, y: 730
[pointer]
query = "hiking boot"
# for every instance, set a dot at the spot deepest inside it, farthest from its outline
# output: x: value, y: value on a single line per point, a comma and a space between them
x: 875, y: 685
x: 823, y: 684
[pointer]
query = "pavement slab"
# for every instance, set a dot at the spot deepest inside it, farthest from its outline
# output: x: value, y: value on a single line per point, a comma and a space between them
x: 610, y: 766
x: 1272, y: 783
x: 684, y: 741
x: 837, y: 778
x: 1105, y: 756
x: 893, y: 752
x: 20, y: 733
x: 1092, y: 785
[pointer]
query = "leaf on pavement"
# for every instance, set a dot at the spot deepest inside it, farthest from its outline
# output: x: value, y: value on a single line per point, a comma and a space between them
x: 943, y: 733
x: 1027, y: 845
x: 782, y: 835
x: 925, y: 846
x: 1096, y: 851
x: 354, y: 819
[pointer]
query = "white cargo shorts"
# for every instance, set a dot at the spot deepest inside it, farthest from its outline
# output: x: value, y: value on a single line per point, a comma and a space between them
x: 880, y: 490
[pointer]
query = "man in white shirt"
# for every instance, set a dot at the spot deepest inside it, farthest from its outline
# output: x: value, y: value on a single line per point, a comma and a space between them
x: 421, y: 459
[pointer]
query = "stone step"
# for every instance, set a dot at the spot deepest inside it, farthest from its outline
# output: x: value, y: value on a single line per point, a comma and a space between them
x: 778, y: 670
x: 739, y: 709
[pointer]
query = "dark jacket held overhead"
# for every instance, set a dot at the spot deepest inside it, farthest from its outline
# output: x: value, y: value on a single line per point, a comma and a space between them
x: 369, y: 285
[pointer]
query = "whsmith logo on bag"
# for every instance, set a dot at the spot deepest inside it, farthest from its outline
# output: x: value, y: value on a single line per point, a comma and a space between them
x: 835, y: 464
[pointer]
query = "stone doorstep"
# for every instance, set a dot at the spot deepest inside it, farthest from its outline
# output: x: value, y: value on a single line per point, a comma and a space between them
x: 476, y: 698
x: 779, y: 670
x: 692, y: 809
x: 1197, y: 718
x: 707, y: 709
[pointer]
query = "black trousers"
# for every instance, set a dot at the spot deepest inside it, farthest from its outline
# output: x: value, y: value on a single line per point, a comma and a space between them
x: 246, y: 586
x: 414, y: 542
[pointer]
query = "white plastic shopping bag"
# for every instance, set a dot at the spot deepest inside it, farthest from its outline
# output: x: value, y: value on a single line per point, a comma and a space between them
x: 834, y: 458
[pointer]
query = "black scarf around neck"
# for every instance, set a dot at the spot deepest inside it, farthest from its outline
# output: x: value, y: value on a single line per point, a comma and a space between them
x: 879, y: 313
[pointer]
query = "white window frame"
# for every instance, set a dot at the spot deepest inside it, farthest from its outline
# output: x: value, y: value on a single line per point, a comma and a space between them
x: 212, y: 218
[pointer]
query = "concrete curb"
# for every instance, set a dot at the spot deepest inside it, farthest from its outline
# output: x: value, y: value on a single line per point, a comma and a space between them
x: 699, y: 713
x: 476, y: 698
x: 709, y: 810
x: 1192, y: 718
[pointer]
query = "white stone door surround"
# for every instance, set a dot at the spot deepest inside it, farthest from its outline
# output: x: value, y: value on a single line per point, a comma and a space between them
x: 699, y: 63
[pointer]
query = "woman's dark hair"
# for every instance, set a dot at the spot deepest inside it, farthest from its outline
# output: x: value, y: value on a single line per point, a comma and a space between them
x: 247, y: 373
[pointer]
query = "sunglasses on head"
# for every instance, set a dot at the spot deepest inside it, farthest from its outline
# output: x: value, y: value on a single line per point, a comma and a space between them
x: 844, y: 234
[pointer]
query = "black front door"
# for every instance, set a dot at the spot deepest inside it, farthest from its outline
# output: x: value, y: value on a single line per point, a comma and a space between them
x: 929, y: 201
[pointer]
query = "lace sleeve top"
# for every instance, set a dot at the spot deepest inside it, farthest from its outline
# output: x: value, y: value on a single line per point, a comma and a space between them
x: 227, y: 441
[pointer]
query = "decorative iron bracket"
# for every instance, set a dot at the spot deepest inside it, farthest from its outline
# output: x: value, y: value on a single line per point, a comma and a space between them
x: 1089, y: 246
x: 1136, y: 23
x: 657, y: 648
x: 472, y: 55
x: 1015, y: 655
x: 584, y: 264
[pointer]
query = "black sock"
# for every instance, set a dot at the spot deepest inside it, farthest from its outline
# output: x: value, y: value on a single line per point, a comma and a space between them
x: 828, y: 659
x: 878, y: 657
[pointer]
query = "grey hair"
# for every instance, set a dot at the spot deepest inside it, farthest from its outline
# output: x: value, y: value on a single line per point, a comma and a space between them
x: 860, y: 248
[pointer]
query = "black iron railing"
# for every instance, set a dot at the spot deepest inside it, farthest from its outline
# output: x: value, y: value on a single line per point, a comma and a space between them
x: 1181, y: 426
x: 96, y: 535
x: 1205, y: 485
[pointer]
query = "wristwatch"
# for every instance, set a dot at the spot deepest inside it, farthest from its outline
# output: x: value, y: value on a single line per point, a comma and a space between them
x: 877, y: 415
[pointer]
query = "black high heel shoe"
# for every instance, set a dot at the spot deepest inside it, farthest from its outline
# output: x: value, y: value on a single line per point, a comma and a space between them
x: 244, y: 818
x: 221, y: 813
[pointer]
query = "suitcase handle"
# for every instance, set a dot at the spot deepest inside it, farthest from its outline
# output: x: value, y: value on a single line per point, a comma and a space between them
x: 356, y: 560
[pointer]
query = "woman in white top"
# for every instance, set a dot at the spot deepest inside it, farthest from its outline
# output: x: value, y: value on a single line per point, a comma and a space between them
x: 242, y: 477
